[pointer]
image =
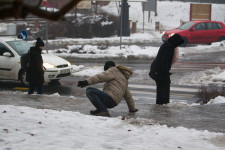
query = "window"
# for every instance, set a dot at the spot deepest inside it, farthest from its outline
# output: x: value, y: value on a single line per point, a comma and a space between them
x: 212, y: 26
x: 186, y: 26
x: 200, y: 26
x: 20, y: 46
x: 220, y: 27
x: 4, y: 49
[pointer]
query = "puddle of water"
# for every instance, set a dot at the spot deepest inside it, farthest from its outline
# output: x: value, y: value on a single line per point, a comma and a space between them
x: 201, y: 117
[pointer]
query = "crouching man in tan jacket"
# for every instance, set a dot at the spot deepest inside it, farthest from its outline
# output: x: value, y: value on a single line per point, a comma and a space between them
x: 114, y: 90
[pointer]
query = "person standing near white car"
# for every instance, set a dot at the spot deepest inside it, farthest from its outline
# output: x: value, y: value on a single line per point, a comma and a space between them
x: 35, y: 72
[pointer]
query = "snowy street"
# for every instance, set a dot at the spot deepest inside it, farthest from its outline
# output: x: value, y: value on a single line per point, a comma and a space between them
x: 195, y: 123
x: 67, y: 96
x: 60, y: 118
x: 66, y: 107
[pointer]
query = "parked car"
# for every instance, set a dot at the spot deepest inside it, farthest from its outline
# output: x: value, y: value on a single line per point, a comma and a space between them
x: 10, y: 68
x: 198, y: 32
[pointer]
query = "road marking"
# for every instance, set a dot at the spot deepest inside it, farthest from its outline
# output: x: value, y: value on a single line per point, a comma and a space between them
x: 171, y: 88
x: 193, y: 66
x: 154, y: 93
x: 208, y: 63
x: 20, y: 88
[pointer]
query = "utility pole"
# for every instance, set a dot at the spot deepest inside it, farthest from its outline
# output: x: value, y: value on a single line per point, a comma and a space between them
x: 46, y: 31
x: 121, y: 24
x: 124, y: 20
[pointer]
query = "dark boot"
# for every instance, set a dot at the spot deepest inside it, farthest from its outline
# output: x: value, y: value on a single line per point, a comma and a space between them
x: 104, y: 114
x: 93, y: 112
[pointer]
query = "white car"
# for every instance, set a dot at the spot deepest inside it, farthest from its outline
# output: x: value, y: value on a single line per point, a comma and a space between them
x: 10, y: 67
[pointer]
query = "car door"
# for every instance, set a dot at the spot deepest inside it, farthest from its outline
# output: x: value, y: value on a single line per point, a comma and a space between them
x: 7, y: 63
x: 213, y: 30
x: 198, y: 33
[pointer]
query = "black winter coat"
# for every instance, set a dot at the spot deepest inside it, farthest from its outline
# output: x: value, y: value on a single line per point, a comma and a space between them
x: 160, y: 67
x: 35, y: 72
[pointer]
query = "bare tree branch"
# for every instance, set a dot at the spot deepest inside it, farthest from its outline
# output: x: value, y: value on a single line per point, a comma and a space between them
x: 17, y: 9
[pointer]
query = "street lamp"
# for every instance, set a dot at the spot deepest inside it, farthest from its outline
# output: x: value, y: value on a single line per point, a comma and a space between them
x: 124, y: 18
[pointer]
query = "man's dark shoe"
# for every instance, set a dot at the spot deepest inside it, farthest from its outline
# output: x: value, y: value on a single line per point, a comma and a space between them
x: 92, y: 112
x: 104, y: 114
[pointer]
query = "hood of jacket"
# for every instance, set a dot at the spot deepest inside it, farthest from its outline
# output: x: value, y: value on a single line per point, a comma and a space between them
x: 176, y: 40
x: 126, y: 71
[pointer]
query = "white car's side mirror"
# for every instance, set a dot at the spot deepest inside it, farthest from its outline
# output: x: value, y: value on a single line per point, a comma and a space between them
x: 7, y: 54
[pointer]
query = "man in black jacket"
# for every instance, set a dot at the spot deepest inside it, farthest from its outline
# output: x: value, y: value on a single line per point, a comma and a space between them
x: 35, y: 72
x: 160, y: 67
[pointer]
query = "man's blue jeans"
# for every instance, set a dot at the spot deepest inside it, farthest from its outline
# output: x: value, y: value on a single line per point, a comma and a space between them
x: 32, y: 88
x: 100, y: 99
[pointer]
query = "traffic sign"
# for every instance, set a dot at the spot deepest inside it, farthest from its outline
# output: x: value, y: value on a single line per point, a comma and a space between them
x: 23, y: 34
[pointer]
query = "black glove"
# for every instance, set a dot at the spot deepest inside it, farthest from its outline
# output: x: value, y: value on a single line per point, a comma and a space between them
x: 82, y: 83
x: 133, y: 111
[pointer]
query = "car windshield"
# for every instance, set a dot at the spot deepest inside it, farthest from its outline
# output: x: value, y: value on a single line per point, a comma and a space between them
x: 186, y: 26
x: 20, y: 46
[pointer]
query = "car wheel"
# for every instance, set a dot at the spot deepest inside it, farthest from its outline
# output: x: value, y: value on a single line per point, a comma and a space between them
x: 22, y: 77
x: 222, y: 38
x: 185, y: 42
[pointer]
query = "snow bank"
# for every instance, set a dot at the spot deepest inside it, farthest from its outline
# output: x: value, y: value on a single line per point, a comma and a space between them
x: 220, y: 76
x: 88, y: 72
x: 206, y: 77
x: 217, y: 100
x: 90, y: 51
x: 141, y: 52
x: 25, y: 128
x: 77, y: 67
x: 214, y: 47
x: 136, y: 37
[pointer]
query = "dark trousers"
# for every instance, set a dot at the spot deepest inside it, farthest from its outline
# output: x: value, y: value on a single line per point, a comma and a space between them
x: 163, y: 92
x: 33, y: 86
x: 100, y: 99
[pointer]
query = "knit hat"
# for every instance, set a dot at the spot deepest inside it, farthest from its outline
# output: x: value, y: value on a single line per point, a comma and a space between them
x: 109, y: 64
x: 39, y: 43
x: 176, y: 40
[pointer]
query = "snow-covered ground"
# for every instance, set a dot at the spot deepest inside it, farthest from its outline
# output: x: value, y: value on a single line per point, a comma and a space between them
x: 210, y: 76
x: 26, y: 128
x: 217, y: 100
x: 169, y: 14
x: 94, y: 51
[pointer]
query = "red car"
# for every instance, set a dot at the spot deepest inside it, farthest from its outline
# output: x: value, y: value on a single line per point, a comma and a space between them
x: 198, y: 32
